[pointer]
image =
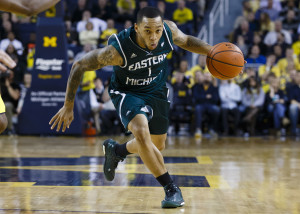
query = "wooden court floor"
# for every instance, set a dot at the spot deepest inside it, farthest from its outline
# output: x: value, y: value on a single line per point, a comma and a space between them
x: 229, y: 175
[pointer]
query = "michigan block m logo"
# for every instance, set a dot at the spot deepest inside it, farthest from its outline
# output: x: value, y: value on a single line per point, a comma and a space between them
x: 50, y: 41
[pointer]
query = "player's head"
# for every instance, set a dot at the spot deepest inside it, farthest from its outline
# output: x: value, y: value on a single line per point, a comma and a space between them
x: 149, y: 27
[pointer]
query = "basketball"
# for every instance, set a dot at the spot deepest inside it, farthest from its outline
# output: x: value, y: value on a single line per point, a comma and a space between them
x: 225, y: 61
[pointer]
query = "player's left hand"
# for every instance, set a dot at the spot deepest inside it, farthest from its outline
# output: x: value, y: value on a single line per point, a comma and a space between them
x: 64, y: 116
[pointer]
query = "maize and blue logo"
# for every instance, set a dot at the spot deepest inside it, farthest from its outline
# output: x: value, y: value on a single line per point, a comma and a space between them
x: 50, y: 41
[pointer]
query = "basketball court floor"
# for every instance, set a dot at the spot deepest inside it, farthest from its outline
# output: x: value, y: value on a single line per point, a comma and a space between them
x: 229, y: 175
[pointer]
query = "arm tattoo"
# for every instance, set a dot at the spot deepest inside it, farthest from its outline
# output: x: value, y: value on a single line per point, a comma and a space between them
x: 187, y: 42
x: 92, y: 61
x: 196, y: 45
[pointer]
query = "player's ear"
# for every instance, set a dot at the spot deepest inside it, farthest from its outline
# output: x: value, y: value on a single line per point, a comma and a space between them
x: 135, y: 27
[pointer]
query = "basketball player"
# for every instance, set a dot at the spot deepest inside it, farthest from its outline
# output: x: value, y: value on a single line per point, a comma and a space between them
x: 138, y: 91
x: 24, y: 7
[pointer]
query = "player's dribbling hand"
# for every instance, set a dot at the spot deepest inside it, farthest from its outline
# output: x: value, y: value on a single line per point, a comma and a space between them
x: 64, y: 116
x: 6, y: 60
x: 242, y: 71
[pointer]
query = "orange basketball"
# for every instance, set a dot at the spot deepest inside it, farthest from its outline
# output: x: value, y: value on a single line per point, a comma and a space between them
x: 225, y: 61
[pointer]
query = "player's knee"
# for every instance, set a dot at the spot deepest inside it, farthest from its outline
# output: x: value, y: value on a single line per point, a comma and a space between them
x: 161, y: 145
x: 160, y: 142
x: 141, y: 133
x: 3, y: 123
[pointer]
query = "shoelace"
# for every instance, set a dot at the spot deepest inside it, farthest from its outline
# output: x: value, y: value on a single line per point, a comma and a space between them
x: 172, y: 188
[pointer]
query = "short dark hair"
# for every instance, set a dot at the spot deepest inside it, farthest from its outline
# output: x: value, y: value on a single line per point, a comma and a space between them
x: 148, y: 12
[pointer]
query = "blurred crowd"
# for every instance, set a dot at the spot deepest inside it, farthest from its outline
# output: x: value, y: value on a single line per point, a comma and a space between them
x: 265, y: 99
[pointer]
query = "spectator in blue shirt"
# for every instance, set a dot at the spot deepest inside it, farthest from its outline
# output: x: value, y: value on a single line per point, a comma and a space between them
x: 255, y: 56
x: 274, y: 102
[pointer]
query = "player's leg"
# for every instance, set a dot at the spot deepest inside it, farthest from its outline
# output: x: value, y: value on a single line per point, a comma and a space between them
x: 148, y: 152
x: 158, y: 140
x: 3, y: 119
x: 153, y: 159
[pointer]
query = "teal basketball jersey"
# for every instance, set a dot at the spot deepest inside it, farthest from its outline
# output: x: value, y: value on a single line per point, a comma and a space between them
x: 143, y: 71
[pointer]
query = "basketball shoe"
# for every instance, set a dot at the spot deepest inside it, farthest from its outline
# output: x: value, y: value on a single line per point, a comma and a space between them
x: 111, y: 159
x: 173, y: 197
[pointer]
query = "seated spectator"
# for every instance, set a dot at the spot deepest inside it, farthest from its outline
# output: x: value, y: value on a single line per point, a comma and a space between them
x: 276, y: 4
x: 271, y: 37
x: 291, y: 5
x: 19, y: 70
x: 181, y: 105
x: 253, y: 23
x: 80, y: 8
x: 6, y: 28
x: 183, y: 68
x: 281, y: 42
x: 104, y: 10
x: 87, y: 82
x: 252, y: 101
x: 10, y: 93
x: 265, y: 24
x: 278, y: 52
x: 98, y: 24
x: 11, y: 39
x: 230, y: 96
x: 111, y: 124
x: 289, y: 59
x: 161, y: 5
x: 269, y: 67
x: 201, y: 66
x: 243, y: 80
x: 83, y: 93
x: 255, y: 56
x: 183, y: 17
x: 275, y: 104
x: 257, y: 40
x: 71, y: 33
x: 294, y: 98
x: 141, y: 5
x: 127, y: 24
x: 242, y: 45
x: 126, y: 9
x: 291, y: 81
x: 206, y: 98
x: 290, y: 22
x: 244, y: 31
x: 10, y: 50
x: 88, y: 36
x: 270, y: 10
x: 267, y: 82
x: 86, y: 48
x: 110, y: 30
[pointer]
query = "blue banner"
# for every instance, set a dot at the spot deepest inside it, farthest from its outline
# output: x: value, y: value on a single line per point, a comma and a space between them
x: 49, y: 79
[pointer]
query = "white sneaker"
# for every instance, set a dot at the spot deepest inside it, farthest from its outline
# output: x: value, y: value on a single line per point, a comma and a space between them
x: 198, y: 133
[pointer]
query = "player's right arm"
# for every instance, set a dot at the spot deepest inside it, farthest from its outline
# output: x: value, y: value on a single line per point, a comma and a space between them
x: 94, y: 60
x: 26, y: 7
